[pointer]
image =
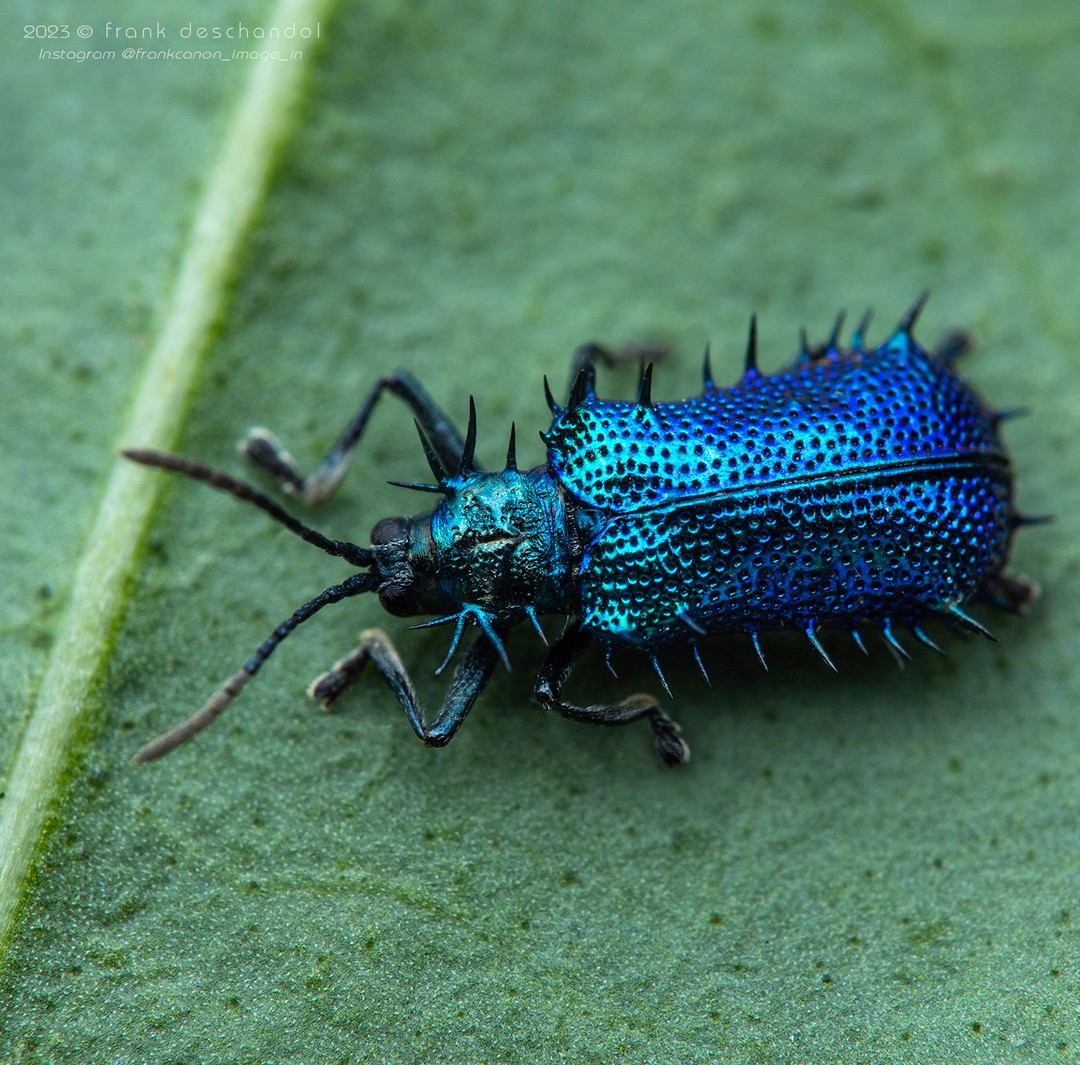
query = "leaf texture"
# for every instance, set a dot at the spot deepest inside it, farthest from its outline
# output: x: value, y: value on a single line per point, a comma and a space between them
x: 875, y: 866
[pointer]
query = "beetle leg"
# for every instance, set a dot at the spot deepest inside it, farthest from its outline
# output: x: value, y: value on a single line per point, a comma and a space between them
x: 953, y: 345
x: 586, y: 356
x: 267, y: 452
x: 470, y: 677
x: 1009, y: 591
x: 557, y: 666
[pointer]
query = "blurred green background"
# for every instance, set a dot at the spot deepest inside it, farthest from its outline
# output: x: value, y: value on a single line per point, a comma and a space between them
x: 880, y: 866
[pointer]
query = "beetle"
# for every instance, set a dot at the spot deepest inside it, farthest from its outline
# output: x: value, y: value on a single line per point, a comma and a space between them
x: 858, y: 488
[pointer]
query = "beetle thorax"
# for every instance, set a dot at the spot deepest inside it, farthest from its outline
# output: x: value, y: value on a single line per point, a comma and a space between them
x: 497, y: 542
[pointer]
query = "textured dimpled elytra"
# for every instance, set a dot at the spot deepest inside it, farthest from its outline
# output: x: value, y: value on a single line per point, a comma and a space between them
x: 856, y: 487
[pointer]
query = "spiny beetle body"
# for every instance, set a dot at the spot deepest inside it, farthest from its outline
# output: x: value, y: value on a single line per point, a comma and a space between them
x: 860, y: 488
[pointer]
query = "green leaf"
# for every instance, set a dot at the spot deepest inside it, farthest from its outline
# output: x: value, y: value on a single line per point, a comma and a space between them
x: 875, y: 866
x: 232, y: 190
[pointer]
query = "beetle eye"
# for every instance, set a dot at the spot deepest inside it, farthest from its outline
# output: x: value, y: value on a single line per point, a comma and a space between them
x: 398, y: 598
x: 389, y: 531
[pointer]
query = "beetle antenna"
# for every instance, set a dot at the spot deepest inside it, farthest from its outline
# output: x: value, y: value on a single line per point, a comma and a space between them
x: 357, y: 584
x: 358, y: 556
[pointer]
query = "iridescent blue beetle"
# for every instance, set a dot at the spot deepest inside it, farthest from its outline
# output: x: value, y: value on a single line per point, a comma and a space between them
x: 859, y: 488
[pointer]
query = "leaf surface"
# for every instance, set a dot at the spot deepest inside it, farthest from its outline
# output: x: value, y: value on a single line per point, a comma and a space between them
x: 876, y: 866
